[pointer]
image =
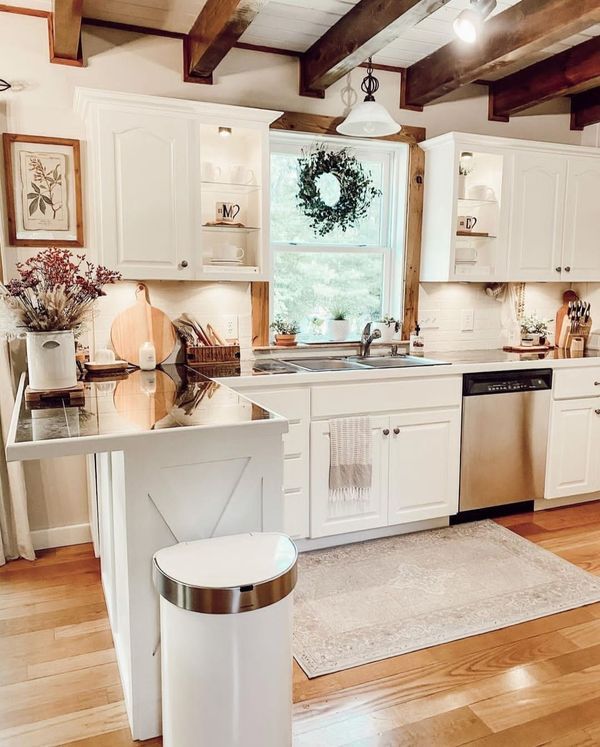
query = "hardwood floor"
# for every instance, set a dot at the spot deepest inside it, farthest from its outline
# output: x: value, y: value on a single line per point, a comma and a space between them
x: 537, y: 683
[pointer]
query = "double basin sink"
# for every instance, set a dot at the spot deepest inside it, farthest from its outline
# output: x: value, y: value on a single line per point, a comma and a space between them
x: 351, y: 363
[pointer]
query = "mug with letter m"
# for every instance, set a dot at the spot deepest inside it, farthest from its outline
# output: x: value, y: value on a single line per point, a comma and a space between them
x: 227, y: 212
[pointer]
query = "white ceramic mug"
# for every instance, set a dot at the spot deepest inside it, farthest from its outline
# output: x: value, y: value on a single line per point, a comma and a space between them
x: 241, y: 175
x: 210, y: 172
x: 466, y: 222
x: 227, y: 212
x: 229, y: 251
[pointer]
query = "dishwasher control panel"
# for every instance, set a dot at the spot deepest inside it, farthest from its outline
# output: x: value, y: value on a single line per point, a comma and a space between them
x: 506, y: 382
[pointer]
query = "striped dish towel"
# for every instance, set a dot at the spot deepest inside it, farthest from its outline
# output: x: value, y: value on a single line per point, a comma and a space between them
x: 351, y: 459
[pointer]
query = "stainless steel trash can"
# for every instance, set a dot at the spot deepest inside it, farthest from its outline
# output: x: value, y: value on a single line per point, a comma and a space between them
x: 226, y: 640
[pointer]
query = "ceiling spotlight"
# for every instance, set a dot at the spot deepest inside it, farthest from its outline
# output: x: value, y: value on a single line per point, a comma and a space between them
x: 368, y: 118
x: 468, y: 23
x: 225, y: 131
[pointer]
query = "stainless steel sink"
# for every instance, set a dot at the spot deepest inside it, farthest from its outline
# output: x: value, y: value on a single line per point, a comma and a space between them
x: 397, y: 361
x: 325, y: 364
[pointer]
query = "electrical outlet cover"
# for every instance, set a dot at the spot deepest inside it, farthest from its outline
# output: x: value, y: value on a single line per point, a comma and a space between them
x: 230, y: 326
x: 467, y: 320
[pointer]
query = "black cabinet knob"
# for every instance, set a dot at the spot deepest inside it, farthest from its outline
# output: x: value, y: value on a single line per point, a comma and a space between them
x: 386, y: 431
x: 558, y: 269
x: 567, y: 269
x: 183, y: 264
x: 396, y: 431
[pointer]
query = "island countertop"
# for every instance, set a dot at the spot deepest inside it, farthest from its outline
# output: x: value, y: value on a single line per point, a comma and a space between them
x: 144, y: 404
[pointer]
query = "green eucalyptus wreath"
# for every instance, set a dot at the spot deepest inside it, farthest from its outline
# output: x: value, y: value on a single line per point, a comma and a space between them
x: 356, y: 189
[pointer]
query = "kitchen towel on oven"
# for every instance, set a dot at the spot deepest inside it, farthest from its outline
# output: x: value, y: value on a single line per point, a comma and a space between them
x: 351, y: 459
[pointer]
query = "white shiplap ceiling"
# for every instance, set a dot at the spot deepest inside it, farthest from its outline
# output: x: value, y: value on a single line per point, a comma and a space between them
x: 296, y: 24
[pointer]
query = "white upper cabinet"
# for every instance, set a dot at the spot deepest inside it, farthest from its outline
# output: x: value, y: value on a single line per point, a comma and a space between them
x: 177, y: 189
x: 146, y: 225
x: 524, y: 211
x: 538, y: 210
x: 581, y: 246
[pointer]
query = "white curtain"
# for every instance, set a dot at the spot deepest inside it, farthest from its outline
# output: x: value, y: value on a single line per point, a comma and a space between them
x: 15, y: 538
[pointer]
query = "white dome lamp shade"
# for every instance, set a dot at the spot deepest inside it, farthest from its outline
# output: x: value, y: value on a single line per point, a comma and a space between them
x: 368, y: 118
x: 467, y: 25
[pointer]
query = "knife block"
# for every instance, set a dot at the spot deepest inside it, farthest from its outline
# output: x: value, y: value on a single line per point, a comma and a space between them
x: 565, y: 336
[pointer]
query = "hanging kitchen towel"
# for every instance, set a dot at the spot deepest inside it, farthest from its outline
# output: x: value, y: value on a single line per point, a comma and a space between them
x: 351, y: 459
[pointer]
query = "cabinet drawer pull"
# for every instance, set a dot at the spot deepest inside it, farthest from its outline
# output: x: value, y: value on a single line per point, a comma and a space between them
x: 386, y: 431
x: 396, y: 431
x: 183, y: 264
x: 597, y: 412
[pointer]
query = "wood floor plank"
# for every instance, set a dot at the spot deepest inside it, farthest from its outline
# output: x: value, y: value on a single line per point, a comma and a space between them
x: 505, y: 711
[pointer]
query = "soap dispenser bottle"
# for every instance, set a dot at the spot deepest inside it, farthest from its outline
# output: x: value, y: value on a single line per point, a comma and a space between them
x: 417, y: 343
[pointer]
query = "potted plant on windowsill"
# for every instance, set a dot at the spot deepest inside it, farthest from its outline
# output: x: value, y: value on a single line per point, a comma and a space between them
x: 534, y: 331
x: 388, y: 326
x: 50, y: 302
x: 285, y: 332
x: 337, y: 328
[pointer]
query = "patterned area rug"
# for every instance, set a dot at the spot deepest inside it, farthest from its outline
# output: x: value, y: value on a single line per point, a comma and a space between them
x: 372, y: 600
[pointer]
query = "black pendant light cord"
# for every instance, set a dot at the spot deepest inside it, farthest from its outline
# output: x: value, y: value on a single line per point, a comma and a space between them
x: 370, y: 83
x: 4, y: 85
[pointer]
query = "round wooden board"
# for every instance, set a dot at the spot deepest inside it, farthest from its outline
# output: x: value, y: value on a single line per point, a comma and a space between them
x: 138, y: 324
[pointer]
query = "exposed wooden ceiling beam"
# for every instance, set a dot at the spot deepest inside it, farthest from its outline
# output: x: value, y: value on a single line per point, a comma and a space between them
x: 65, y: 32
x: 572, y: 71
x: 509, y: 38
x: 585, y: 109
x: 215, y: 31
x: 366, y: 29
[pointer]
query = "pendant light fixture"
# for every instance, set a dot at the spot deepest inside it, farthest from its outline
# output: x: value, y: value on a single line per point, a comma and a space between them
x: 368, y: 118
x: 468, y: 23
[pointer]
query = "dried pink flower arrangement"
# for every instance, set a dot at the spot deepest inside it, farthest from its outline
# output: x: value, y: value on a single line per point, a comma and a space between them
x: 56, y: 291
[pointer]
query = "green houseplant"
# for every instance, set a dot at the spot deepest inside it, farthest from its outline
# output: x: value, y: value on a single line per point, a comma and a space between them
x: 285, y: 331
x: 535, y: 328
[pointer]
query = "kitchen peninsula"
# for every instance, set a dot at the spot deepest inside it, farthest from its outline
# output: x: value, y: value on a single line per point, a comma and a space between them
x: 177, y: 457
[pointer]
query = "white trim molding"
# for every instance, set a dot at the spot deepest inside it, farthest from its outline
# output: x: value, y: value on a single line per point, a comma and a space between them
x: 72, y: 534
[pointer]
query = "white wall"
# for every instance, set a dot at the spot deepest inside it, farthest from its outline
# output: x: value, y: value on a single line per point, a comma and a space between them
x: 41, y: 103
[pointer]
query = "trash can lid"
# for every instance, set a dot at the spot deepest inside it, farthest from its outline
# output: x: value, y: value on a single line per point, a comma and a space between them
x: 224, y: 575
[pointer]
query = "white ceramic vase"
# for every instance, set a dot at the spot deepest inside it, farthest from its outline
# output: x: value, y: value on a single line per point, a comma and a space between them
x: 337, y: 330
x: 51, y: 360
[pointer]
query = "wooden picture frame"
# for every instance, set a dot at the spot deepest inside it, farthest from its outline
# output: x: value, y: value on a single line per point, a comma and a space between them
x: 28, y: 205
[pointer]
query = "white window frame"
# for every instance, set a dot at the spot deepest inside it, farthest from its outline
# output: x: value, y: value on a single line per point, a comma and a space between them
x: 395, y: 158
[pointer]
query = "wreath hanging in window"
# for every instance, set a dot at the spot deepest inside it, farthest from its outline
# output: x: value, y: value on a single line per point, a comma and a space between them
x: 334, y: 190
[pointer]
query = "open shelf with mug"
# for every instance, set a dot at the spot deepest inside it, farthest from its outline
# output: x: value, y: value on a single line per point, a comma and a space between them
x: 465, y: 217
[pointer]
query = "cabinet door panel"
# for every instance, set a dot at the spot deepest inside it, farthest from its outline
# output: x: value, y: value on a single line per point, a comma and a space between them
x: 146, y: 195
x: 328, y: 517
x: 581, y: 250
x: 573, y: 467
x: 424, y: 465
x: 537, y: 216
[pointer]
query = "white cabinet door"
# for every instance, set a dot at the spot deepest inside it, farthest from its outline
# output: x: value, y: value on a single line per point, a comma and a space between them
x: 146, y: 195
x: 424, y: 465
x: 328, y: 517
x: 581, y: 246
x: 537, y: 216
x: 573, y: 467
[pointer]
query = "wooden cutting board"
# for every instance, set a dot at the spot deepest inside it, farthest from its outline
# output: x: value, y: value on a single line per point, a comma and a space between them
x: 138, y: 324
x: 568, y: 295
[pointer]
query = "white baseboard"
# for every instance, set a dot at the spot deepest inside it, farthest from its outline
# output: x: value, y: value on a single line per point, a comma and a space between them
x: 72, y: 534
x: 321, y: 543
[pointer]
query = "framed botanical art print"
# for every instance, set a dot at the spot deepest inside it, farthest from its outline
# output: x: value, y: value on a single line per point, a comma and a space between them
x: 43, y: 190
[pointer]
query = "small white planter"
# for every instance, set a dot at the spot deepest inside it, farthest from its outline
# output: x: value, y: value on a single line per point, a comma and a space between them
x: 337, y: 330
x: 388, y: 332
x: 51, y: 360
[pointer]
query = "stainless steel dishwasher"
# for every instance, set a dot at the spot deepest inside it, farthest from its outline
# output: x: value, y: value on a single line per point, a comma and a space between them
x: 504, y: 437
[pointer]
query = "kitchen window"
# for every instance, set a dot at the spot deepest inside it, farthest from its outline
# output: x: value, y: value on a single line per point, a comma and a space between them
x: 358, y: 271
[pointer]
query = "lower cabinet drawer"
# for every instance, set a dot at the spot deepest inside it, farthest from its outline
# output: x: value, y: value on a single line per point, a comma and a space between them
x: 577, y: 382
x: 386, y: 396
